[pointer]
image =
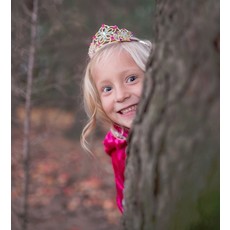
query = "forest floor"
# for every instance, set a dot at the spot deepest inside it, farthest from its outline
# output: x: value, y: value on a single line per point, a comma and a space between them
x: 68, y: 189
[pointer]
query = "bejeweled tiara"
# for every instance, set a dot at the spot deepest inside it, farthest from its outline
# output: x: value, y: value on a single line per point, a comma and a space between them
x: 108, y: 34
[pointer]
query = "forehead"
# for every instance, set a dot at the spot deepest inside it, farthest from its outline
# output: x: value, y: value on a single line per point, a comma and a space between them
x: 113, y: 62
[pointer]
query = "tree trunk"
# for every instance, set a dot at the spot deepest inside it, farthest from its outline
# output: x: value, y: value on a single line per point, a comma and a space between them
x: 172, y: 173
x: 26, y: 137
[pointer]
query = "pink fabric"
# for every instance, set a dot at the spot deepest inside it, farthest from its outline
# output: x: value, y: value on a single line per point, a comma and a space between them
x: 116, y: 149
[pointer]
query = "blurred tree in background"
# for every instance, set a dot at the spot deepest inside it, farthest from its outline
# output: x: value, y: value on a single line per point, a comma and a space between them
x: 64, y: 192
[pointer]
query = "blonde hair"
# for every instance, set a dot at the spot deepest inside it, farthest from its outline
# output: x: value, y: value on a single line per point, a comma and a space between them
x: 139, y: 51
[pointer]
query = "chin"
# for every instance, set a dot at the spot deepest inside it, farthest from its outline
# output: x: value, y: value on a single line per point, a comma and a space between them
x: 127, y: 124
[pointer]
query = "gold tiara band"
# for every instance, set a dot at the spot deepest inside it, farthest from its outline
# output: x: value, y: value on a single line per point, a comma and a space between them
x: 109, y: 34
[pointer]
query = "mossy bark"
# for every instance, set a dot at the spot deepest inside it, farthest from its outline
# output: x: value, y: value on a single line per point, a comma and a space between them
x: 172, y: 173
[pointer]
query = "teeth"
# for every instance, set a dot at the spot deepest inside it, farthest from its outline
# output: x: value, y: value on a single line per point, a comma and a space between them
x: 131, y: 108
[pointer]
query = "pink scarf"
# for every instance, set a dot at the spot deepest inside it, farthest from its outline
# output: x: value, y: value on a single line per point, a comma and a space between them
x: 116, y: 148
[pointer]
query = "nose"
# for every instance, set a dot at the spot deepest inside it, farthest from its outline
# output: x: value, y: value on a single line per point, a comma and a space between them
x: 121, y: 94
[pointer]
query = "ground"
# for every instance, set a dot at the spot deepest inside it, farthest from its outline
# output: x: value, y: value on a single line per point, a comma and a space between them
x: 68, y: 189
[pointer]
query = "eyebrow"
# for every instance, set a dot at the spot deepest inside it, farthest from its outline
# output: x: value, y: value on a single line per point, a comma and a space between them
x: 100, y: 84
x: 134, y: 69
x: 131, y: 70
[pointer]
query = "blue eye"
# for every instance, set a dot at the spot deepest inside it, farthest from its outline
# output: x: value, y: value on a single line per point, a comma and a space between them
x: 107, y: 89
x: 131, y: 79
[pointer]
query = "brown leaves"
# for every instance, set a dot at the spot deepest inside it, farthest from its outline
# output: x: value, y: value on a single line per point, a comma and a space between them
x: 64, y: 181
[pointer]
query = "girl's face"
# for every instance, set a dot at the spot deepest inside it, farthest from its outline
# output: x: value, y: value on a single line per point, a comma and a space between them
x: 119, y: 83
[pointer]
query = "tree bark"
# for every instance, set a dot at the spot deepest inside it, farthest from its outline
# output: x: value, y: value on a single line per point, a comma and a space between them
x: 172, y: 173
x: 26, y: 140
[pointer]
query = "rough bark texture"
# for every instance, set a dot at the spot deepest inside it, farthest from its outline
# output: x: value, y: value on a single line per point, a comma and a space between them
x: 172, y: 174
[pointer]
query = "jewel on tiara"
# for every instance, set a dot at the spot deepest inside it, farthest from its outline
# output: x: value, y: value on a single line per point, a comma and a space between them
x: 108, y: 34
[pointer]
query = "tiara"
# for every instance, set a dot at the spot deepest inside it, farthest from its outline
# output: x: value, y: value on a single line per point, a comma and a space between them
x: 108, y: 34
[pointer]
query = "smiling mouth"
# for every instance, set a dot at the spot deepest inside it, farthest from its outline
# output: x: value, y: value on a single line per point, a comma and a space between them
x: 128, y: 109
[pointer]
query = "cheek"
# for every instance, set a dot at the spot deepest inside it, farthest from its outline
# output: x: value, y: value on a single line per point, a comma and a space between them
x: 106, y: 105
x: 138, y: 89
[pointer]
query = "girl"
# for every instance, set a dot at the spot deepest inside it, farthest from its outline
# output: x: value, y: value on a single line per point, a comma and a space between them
x: 112, y: 89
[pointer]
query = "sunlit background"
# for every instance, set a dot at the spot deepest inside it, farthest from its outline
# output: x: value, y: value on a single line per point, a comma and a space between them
x: 68, y: 189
